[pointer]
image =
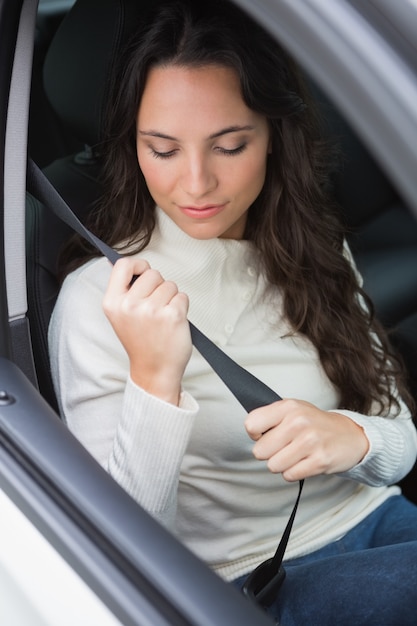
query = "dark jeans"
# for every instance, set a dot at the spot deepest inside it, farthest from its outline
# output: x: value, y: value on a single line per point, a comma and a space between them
x: 367, y: 577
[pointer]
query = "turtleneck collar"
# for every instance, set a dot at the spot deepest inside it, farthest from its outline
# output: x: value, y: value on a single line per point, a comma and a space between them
x: 216, y: 274
x: 206, y: 252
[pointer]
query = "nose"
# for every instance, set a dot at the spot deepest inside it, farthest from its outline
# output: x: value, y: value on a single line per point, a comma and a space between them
x: 199, y: 177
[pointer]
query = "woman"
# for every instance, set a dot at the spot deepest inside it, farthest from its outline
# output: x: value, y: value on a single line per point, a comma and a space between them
x: 216, y: 190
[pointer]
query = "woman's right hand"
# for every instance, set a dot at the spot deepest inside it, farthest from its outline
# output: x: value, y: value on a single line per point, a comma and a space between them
x: 149, y: 317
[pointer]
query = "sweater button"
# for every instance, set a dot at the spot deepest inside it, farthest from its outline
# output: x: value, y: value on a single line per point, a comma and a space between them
x: 251, y: 271
x: 229, y: 328
x: 247, y: 296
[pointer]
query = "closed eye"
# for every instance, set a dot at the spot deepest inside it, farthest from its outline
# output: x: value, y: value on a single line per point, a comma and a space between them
x: 232, y: 152
x: 162, y: 155
x: 170, y: 153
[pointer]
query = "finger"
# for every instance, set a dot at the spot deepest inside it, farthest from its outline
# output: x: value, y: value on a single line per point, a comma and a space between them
x: 305, y: 468
x: 123, y: 271
x: 263, y: 419
x: 163, y: 303
x: 181, y: 301
x: 146, y: 284
x: 275, y: 442
x: 162, y: 294
x: 294, y: 462
x: 131, y: 266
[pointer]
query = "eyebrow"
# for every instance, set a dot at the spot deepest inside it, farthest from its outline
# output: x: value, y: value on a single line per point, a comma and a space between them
x: 219, y: 133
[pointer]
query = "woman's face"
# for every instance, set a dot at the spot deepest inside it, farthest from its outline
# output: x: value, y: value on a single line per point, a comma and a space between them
x: 202, y: 151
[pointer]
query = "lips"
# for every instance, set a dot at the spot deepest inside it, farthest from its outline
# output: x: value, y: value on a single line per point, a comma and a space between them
x: 209, y: 210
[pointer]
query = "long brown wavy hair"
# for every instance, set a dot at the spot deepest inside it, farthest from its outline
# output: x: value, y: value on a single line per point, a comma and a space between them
x: 293, y: 222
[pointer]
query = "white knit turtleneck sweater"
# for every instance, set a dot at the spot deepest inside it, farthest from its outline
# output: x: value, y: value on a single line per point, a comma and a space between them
x: 192, y: 466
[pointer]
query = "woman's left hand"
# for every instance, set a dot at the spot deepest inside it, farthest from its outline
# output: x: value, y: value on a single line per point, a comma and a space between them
x: 299, y: 440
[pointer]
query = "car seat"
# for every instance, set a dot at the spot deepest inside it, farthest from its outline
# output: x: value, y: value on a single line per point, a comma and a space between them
x: 48, y: 138
x: 383, y: 234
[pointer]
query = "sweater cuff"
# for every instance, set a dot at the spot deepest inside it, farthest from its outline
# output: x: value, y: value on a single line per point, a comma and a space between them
x: 384, y: 462
x: 135, y: 395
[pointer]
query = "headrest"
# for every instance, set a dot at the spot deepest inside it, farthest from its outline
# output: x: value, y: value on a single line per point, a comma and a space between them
x: 80, y: 57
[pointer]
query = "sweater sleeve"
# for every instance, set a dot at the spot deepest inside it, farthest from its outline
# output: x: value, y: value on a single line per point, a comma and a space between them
x: 148, y: 449
x: 392, y: 448
x: 138, y: 438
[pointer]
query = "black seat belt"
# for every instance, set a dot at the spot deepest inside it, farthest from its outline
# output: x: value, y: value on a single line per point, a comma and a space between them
x: 251, y: 392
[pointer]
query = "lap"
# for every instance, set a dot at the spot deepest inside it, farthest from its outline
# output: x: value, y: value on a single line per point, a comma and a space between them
x: 377, y: 586
x: 367, y: 577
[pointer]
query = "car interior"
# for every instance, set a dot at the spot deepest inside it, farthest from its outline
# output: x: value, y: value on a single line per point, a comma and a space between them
x: 74, y: 50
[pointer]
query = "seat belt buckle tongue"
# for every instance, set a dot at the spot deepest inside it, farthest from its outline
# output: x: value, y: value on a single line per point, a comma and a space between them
x: 263, y: 584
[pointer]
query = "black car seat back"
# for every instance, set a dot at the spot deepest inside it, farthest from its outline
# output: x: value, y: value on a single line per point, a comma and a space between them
x: 76, y: 68
x: 381, y: 230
